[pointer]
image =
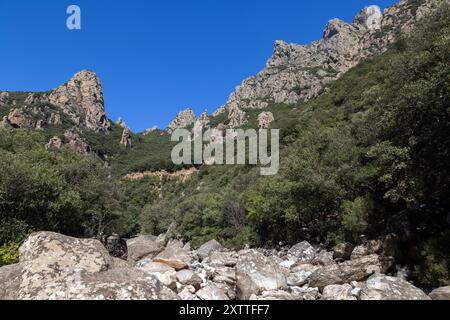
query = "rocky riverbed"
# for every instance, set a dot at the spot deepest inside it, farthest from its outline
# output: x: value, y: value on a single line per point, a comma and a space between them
x: 57, y: 267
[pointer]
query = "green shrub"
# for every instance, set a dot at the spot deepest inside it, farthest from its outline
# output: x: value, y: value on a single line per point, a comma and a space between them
x: 9, y: 254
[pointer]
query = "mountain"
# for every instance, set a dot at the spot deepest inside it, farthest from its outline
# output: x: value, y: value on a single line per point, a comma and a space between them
x: 364, y: 161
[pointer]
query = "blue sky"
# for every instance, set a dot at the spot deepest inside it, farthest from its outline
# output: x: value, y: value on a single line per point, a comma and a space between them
x: 156, y: 57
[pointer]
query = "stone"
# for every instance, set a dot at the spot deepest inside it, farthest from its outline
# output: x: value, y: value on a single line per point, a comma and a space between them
x: 300, y: 277
x: 18, y: 118
x: 442, y: 293
x: 273, y: 295
x: 218, y: 258
x: 338, y: 292
x: 177, y: 258
x: 256, y: 273
x: 307, y: 294
x: 186, y: 295
x: 77, y: 143
x: 54, y: 119
x: 359, y: 252
x: 324, y: 258
x: 143, y: 246
x: 163, y: 272
x: 236, y: 117
x: 342, y: 251
x: 189, y: 278
x: 207, y: 248
x: 381, y: 287
x: 212, y: 292
x: 302, y: 252
x: 352, y: 270
x: 225, y: 275
x: 126, y: 139
x: 4, y: 98
x: 55, y: 143
x: 56, y: 267
x: 265, y: 119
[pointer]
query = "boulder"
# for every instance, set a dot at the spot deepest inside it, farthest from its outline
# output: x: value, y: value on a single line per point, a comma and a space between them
x: 56, y: 267
x: 381, y: 287
x: 10, y: 279
x: 189, y: 278
x: 167, y: 275
x: 256, y: 273
x: 302, y: 252
x: 352, y: 270
x: 342, y: 251
x: 338, y: 292
x: 273, y: 296
x: 206, y: 249
x: 218, y: 259
x: 307, y: 294
x: 441, y: 294
x: 186, y: 295
x: 176, y: 257
x: 225, y: 275
x: 301, y: 276
x: 212, y: 292
x: 324, y: 258
x: 143, y: 246
x: 55, y: 143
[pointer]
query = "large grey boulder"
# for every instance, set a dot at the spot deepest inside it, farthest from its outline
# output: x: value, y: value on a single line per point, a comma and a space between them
x: 56, y: 267
x: 176, y: 257
x: 441, y: 294
x: 143, y: 247
x: 381, y: 287
x: 302, y: 252
x: 189, y: 278
x: 212, y: 292
x: 352, y: 270
x: 256, y: 273
x: 164, y: 273
x: 209, y: 247
x: 338, y: 292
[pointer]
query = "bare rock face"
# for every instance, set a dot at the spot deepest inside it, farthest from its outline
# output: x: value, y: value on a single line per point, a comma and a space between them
x: 370, y: 18
x: 82, y: 96
x: 126, y: 139
x: 5, y: 124
x: 265, y: 119
x: 175, y: 257
x: 56, y: 267
x: 183, y: 120
x: 77, y: 143
x: 256, y: 273
x: 201, y: 123
x: 55, y: 143
x: 19, y: 119
x: 4, y: 98
x: 298, y: 73
x: 237, y: 117
x: 380, y: 287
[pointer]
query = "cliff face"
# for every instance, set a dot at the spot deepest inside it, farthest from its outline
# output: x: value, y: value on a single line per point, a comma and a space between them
x: 297, y: 73
x: 80, y: 101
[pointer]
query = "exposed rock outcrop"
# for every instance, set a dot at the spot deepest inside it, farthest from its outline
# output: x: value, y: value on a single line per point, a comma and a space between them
x: 55, y: 143
x: 82, y: 99
x: 126, y: 139
x: 183, y: 120
x: 4, y: 98
x: 265, y: 119
x: 297, y: 73
x: 77, y: 143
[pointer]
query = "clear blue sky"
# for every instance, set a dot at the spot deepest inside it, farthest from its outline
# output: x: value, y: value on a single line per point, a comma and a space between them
x: 156, y: 57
